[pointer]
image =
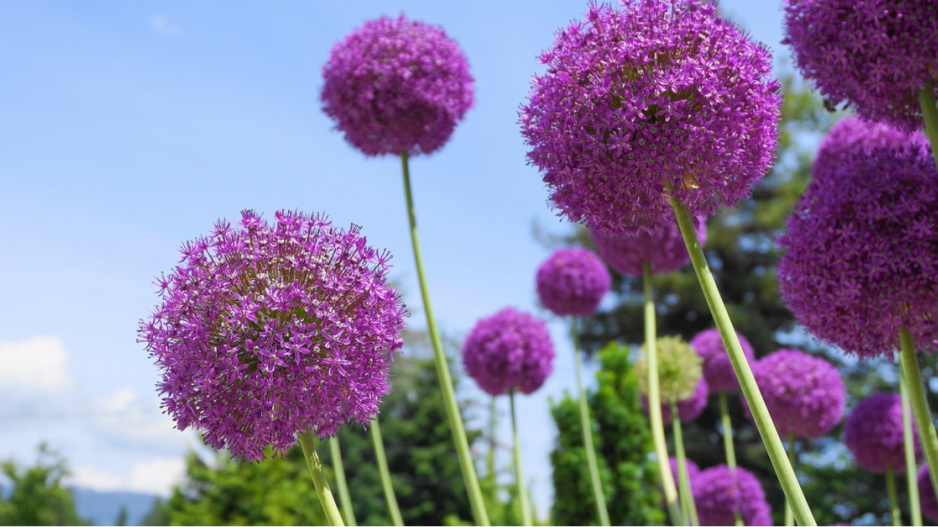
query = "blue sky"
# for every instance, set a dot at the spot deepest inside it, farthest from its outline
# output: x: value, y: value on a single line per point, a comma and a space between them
x: 129, y: 127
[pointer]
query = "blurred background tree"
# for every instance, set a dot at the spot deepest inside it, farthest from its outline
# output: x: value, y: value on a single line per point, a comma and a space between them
x: 36, y: 496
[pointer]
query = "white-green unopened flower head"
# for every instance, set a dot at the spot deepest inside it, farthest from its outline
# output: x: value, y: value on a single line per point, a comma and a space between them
x: 679, y: 369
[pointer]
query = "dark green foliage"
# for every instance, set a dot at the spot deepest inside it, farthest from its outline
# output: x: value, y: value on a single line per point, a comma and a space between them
x: 623, y: 443
x: 37, y: 496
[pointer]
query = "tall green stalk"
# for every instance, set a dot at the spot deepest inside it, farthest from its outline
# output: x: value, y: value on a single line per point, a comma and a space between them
x: 894, y: 509
x: 789, y: 519
x: 728, y: 445
x: 339, y: 468
x: 926, y: 426
x: 519, y: 473
x: 476, y: 500
x: 654, y: 400
x: 911, y: 465
x: 747, y: 383
x: 382, y: 460
x: 926, y: 97
x: 688, y: 506
x: 587, y: 425
x: 308, y: 444
x: 490, y: 454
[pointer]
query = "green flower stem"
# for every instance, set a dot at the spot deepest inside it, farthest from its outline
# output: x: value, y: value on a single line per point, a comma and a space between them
x: 911, y: 465
x: 490, y: 454
x: 654, y: 401
x: 926, y: 97
x: 339, y: 469
x: 747, y: 383
x: 308, y: 443
x: 728, y: 444
x: 926, y: 426
x: 688, y: 506
x: 894, y: 509
x: 789, y: 519
x: 519, y: 473
x: 382, y: 460
x: 476, y: 501
x: 587, y: 425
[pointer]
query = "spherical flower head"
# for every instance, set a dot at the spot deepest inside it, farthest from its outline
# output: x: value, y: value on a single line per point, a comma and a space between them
x: 926, y: 493
x: 657, y: 94
x: 572, y: 282
x: 874, y: 433
x: 874, y: 56
x: 687, y: 409
x: 804, y: 394
x: 692, y: 469
x: 717, y: 368
x: 679, y: 370
x: 264, y: 331
x: 395, y: 86
x: 509, y: 350
x: 720, y: 493
x: 664, y: 248
x: 860, y: 261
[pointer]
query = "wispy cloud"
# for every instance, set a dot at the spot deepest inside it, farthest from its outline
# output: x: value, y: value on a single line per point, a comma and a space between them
x: 155, y: 475
x: 35, y: 366
x: 163, y: 26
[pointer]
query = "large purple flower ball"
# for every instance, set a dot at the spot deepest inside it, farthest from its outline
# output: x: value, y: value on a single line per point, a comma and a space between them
x: 657, y: 94
x: 873, y: 433
x: 860, y: 259
x: 717, y: 368
x: 687, y: 409
x: 875, y: 56
x: 572, y: 282
x: 692, y: 469
x: 396, y: 85
x: 804, y: 394
x: 926, y: 494
x: 720, y: 493
x: 510, y: 349
x: 663, y: 248
x: 264, y: 331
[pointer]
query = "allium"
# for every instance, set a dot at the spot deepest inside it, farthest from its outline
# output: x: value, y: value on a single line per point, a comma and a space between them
x: 692, y: 470
x: 873, y: 433
x: 265, y: 331
x: 926, y: 494
x: 874, y: 56
x: 719, y: 496
x: 688, y: 409
x: 717, y: 368
x: 804, y: 394
x: 659, y: 93
x: 572, y: 282
x: 679, y: 370
x: 510, y: 349
x: 395, y: 86
x: 860, y: 260
x: 663, y: 249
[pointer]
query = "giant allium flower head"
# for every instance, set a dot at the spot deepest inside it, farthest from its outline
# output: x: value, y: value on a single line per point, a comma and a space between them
x: 687, y: 409
x: 873, y: 433
x: 658, y: 93
x: 804, y: 394
x: 265, y: 330
x: 721, y: 492
x: 679, y: 369
x: 861, y: 250
x: 926, y: 494
x: 510, y: 349
x: 395, y: 86
x: 692, y: 469
x: 663, y: 248
x: 717, y: 368
x: 572, y: 282
x: 874, y: 56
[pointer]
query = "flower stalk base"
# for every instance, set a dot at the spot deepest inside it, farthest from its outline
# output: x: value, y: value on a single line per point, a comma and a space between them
x: 308, y: 444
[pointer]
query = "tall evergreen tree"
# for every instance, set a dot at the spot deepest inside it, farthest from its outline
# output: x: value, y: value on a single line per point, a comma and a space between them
x: 37, y: 496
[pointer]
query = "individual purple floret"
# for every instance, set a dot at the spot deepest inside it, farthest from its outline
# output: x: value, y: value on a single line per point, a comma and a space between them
x: 396, y: 86
x: 874, y: 56
x: 926, y: 494
x: 720, y: 496
x: 510, y: 349
x: 658, y: 93
x: 664, y: 248
x: 688, y: 409
x: 860, y: 259
x: 572, y: 282
x: 873, y: 433
x: 717, y: 368
x: 264, y: 331
x: 804, y: 394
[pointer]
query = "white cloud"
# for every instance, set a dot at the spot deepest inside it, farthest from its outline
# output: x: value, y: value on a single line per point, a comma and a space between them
x: 35, y: 365
x: 130, y: 420
x: 163, y: 26
x: 152, y: 476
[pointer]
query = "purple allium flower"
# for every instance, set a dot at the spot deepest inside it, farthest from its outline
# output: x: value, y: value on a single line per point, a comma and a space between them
x: 396, y: 86
x: 873, y: 432
x: 689, y: 409
x: 860, y: 260
x: 510, y: 349
x: 926, y: 494
x: 692, y: 470
x: 572, y: 282
x: 664, y: 248
x: 268, y: 330
x: 719, y: 496
x: 717, y: 368
x: 661, y: 92
x: 804, y: 394
x: 875, y: 56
